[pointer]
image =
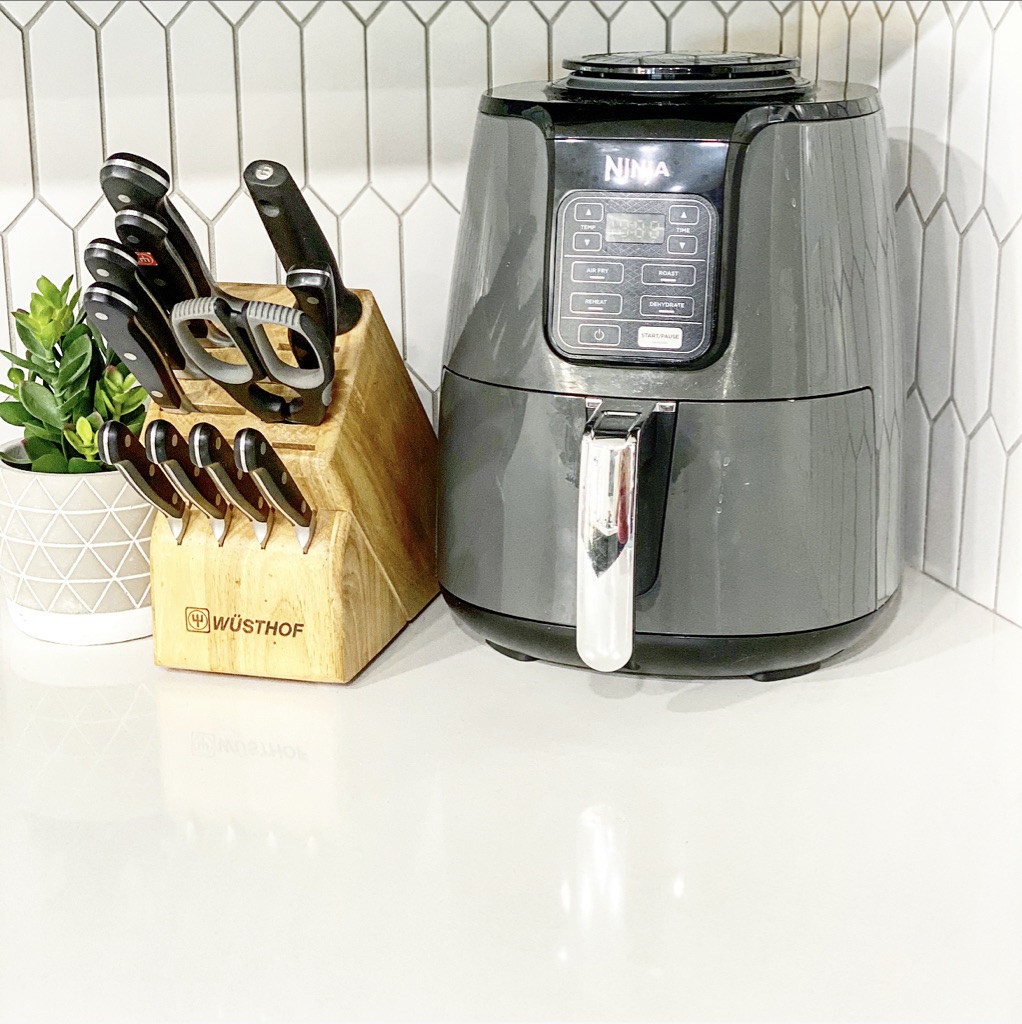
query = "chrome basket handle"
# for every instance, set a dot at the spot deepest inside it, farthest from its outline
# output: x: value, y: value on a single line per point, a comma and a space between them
x: 605, y: 571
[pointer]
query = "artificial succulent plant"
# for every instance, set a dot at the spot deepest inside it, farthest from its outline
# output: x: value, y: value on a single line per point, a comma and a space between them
x: 66, y: 385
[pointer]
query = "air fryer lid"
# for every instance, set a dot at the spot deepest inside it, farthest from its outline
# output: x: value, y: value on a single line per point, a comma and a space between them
x: 678, y: 73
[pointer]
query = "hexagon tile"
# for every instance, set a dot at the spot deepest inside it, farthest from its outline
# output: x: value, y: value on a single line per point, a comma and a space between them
x: 373, y: 109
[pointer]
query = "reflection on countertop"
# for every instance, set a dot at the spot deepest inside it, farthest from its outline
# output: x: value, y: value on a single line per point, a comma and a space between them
x: 457, y: 835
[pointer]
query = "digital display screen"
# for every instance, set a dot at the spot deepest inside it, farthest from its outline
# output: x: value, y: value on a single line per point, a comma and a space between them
x: 635, y: 227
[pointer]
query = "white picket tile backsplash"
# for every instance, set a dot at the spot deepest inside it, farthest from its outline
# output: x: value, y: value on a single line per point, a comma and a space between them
x: 372, y: 104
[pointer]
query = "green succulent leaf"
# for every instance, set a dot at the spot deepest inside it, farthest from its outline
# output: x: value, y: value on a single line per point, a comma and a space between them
x: 76, y: 465
x: 15, y: 414
x: 38, y: 446
x: 41, y: 430
x: 40, y: 403
x: 133, y: 400
x: 79, y: 444
x: 50, y: 292
x: 15, y: 376
x: 51, y: 462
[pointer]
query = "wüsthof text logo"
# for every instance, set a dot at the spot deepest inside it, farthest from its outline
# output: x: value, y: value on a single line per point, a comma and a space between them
x: 199, y: 620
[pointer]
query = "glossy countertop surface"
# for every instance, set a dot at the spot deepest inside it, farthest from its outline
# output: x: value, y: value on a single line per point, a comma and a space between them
x: 460, y: 837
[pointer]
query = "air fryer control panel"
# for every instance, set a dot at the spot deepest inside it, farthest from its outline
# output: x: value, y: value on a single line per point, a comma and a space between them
x: 633, y: 276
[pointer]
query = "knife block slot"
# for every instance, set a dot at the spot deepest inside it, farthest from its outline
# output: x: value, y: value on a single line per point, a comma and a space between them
x: 369, y: 471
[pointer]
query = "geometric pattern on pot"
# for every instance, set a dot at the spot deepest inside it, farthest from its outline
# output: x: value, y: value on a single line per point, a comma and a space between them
x: 73, y: 544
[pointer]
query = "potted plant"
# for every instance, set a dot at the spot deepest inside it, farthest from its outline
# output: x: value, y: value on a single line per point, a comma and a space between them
x: 74, y: 536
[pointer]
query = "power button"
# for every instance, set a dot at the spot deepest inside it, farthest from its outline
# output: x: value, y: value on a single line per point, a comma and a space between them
x: 599, y: 334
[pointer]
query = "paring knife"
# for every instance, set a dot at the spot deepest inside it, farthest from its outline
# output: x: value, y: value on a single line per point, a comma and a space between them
x: 255, y: 455
x: 130, y: 181
x: 210, y: 450
x: 167, y: 448
x: 120, y: 448
x: 115, y: 316
x: 297, y: 237
x: 111, y: 263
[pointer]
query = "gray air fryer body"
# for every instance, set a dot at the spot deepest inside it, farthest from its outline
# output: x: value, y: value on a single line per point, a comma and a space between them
x: 671, y: 402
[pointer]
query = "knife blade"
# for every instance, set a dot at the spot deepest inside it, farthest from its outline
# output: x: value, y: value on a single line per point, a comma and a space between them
x: 120, y: 448
x: 296, y: 235
x: 130, y: 181
x: 111, y: 263
x: 211, y: 451
x: 115, y: 316
x: 256, y: 456
x: 167, y: 448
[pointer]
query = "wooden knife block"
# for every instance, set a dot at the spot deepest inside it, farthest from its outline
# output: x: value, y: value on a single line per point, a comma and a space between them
x: 369, y: 471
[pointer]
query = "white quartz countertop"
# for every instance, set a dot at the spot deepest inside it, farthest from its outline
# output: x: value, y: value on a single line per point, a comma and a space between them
x: 457, y: 836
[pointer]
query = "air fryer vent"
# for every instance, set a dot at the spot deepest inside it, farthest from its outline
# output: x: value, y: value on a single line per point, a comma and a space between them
x: 679, y: 73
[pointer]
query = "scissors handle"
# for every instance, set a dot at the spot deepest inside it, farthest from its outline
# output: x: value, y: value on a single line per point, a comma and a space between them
x: 239, y: 380
x: 313, y: 384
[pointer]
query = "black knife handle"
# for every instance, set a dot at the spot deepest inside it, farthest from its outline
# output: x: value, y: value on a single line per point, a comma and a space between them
x: 130, y: 181
x: 313, y: 289
x: 255, y: 455
x: 114, y: 315
x: 166, y: 446
x: 158, y: 266
x: 111, y: 263
x: 119, y: 447
x: 211, y: 451
x: 296, y: 235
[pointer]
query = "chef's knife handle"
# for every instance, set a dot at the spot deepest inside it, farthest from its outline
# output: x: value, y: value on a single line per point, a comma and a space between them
x: 119, y: 447
x: 295, y: 233
x: 131, y: 181
x: 145, y: 234
x: 167, y: 447
x: 313, y: 289
x: 255, y: 455
x: 211, y: 451
x: 112, y: 313
x: 111, y: 263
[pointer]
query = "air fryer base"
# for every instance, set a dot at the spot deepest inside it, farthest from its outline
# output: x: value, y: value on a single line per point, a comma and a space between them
x: 765, y: 658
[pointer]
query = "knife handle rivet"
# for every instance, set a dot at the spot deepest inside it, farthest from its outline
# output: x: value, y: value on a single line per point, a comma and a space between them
x: 312, y: 300
x: 262, y: 448
x: 283, y: 478
x: 305, y: 508
x: 123, y: 198
x: 130, y: 356
x: 156, y: 394
x: 102, y: 272
x: 133, y: 239
x: 264, y: 171
x: 101, y: 316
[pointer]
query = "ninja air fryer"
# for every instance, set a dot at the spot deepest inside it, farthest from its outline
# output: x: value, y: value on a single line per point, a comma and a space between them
x: 671, y: 401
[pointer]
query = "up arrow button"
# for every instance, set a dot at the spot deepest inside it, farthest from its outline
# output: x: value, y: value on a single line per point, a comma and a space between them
x: 589, y: 212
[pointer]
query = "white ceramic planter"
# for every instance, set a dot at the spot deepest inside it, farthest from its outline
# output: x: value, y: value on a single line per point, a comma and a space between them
x: 74, y: 555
